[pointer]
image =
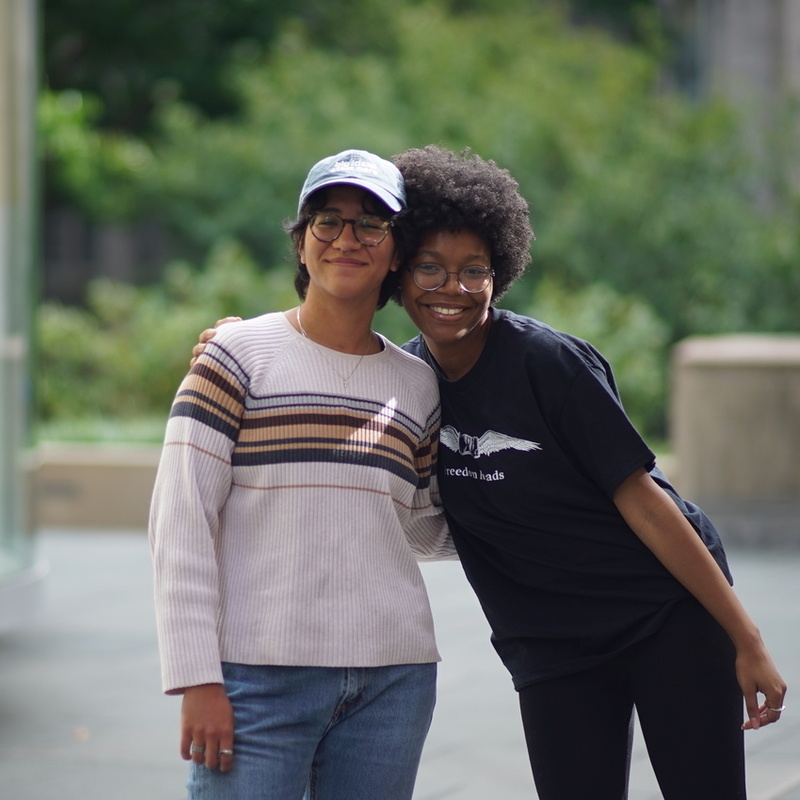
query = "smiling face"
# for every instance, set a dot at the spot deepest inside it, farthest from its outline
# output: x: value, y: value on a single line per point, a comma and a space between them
x: 346, y: 268
x: 448, y: 317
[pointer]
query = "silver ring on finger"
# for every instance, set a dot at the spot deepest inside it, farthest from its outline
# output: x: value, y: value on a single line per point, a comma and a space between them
x: 776, y: 710
x: 196, y: 748
x: 224, y: 752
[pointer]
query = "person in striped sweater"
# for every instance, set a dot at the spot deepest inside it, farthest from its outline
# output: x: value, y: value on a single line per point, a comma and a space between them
x: 296, y: 491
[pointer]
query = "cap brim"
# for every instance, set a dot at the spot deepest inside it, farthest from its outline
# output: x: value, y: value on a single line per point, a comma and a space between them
x: 382, y: 194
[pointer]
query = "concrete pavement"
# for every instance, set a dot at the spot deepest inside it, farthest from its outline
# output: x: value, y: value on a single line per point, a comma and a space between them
x: 82, y: 716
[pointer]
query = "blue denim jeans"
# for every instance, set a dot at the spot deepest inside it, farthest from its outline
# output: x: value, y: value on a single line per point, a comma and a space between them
x: 324, y: 733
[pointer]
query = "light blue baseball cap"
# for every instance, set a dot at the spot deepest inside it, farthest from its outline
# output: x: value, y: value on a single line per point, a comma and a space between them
x: 357, y: 168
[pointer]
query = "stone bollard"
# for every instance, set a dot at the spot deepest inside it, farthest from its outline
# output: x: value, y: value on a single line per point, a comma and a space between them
x: 735, y: 417
x: 95, y: 486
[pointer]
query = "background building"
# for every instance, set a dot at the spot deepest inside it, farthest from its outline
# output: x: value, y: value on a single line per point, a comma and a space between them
x: 746, y: 51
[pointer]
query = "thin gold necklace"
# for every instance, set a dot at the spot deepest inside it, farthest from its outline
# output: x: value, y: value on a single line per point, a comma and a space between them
x: 346, y: 380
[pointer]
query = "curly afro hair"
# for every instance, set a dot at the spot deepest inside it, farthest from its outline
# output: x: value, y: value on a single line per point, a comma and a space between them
x: 452, y: 192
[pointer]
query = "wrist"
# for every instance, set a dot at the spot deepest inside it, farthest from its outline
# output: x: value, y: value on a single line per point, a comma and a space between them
x: 748, y: 640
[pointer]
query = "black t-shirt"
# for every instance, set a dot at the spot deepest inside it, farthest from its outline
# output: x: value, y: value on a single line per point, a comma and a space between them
x: 534, y: 444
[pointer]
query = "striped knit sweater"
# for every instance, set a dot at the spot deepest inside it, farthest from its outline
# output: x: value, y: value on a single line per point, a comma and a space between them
x: 287, y: 516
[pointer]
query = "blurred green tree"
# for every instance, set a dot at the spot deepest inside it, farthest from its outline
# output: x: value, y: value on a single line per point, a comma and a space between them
x: 632, y: 188
x: 137, y: 54
x: 638, y: 188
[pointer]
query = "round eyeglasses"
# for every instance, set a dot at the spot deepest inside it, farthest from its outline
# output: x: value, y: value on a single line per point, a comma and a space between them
x: 369, y: 230
x: 431, y: 277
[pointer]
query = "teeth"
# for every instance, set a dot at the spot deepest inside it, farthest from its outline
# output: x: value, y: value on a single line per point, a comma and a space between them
x: 448, y: 312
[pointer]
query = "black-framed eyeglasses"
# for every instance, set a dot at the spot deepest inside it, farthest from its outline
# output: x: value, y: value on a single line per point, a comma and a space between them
x: 431, y: 277
x: 369, y: 229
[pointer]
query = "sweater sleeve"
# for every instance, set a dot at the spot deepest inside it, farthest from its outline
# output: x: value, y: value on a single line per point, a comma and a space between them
x: 192, y: 484
x: 427, y: 530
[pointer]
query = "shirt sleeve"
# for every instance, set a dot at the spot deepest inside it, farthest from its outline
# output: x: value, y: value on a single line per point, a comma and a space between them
x: 192, y: 484
x: 426, y: 530
x: 595, y: 428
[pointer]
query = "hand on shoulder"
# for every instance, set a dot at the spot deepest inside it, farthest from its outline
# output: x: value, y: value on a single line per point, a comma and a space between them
x: 207, y: 335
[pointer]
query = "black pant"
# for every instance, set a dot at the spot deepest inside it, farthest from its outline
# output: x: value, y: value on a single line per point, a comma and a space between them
x: 683, y: 685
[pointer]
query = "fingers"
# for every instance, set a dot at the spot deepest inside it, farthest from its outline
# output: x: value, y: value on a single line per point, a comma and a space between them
x: 209, y: 333
x: 197, y: 753
x: 196, y: 351
x: 212, y: 755
x: 207, y: 726
x: 753, y: 711
x: 225, y: 755
x: 186, y: 744
x: 766, y: 714
x: 770, y: 711
x: 206, y: 336
x: 772, y: 714
x: 758, y: 675
x: 225, y: 321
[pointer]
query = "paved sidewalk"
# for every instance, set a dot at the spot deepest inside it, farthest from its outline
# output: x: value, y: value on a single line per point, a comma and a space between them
x: 82, y: 716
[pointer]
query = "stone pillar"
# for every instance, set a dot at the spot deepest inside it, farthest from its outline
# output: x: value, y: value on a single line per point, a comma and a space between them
x: 21, y: 574
x: 735, y: 413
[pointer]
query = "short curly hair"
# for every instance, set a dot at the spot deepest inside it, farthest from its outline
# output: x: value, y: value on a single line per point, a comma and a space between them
x: 449, y: 191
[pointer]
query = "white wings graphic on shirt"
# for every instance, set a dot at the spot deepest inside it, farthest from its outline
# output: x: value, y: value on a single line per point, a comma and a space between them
x: 484, y: 445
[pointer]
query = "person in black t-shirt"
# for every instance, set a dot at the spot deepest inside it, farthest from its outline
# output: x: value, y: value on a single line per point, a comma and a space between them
x: 604, y: 589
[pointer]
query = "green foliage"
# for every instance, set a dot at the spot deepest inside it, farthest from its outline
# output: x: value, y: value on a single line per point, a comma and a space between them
x: 163, y: 51
x: 101, y: 173
x: 124, y: 355
x: 625, y: 182
x: 625, y: 330
x: 136, y: 55
x: 635, y: 190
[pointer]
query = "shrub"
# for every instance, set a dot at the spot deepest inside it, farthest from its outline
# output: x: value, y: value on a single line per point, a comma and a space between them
x: 124, y: 355
x: 626, y: 331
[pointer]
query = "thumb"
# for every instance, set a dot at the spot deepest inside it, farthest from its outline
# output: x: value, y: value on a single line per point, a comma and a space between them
x: 753, y: 710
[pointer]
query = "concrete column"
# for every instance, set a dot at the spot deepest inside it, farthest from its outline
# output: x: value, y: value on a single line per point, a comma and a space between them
x: 735, y: 413
x: 20, y: 573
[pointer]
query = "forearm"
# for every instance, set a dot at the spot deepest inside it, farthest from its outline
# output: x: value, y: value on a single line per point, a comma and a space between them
x: 658, y: 522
